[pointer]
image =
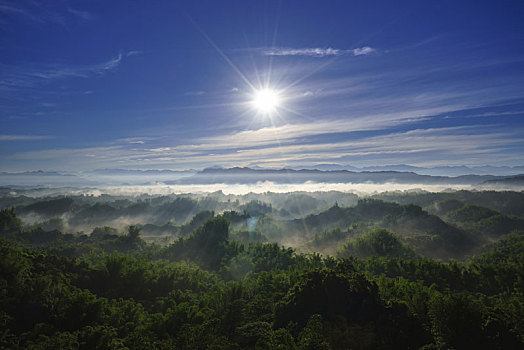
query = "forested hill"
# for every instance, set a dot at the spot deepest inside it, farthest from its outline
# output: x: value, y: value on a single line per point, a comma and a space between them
x: 208, y: 290
x: 440, y: 225
x: 467, y: 227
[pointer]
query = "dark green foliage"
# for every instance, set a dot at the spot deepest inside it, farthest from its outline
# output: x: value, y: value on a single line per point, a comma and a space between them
x: 330, y: 294
x: 207, y: 291
x: 498, y: 225
x: 349, y: 304
x: 49, y: 225
x: 505, y: 202
x: 167, y: 228
x: 376, y: 243
x: 312, y: 336
x: 50, y: 207
x: 195, y: 222
x: 427, y: 234
x: 510, y: 250
x: 256, y: 208
x: 329, y: 237
x: 460, y: 321
x: 299, y: 204
x: 268, y: 257
x: 207, y: 246
x: 235, y: 217
x: 10, y: 224
x: 484, y: 221
x: 103, y: 232
x: 133, y: 234
x: 247, y: 237
x: 98, y: 211
x: 470, y: 212
x: 446, y: 206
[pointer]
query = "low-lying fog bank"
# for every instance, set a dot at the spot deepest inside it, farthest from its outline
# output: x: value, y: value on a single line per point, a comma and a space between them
x: 361, y: 189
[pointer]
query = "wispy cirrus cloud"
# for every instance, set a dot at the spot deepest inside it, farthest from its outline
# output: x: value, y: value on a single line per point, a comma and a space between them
x: 290, y: 132
x: 30, y: 75
x: 24, y: 137
x: 31, y: 12
x: 41, y: 12
x: 82, y: 14
x: 134, y: 140
x: 317, y: 51
x: 447, y: 145
x: 195, y: 93
x: 134, y: 53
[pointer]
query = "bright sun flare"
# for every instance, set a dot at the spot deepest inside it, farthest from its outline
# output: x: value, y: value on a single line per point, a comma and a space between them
x: 266, y: 101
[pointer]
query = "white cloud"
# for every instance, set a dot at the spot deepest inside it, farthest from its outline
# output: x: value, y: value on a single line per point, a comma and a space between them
x: 317, y: 51
x: 312, y: 52
x: 159, y: 149
x: 133, y: 53
x: 109, y: 65
x: 290, y: 132
x: 454, y: 145
x: 366, y: 50
x: 134, y: 140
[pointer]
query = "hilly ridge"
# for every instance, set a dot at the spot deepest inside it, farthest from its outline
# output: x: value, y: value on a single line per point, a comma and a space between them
x: 239, y: 175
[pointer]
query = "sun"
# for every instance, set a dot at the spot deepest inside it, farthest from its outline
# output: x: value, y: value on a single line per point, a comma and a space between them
x: 266, y: 101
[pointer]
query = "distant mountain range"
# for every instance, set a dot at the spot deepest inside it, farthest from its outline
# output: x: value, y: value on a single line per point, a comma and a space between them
x: 435, y: 171
x: 404, y: 174
x: 286, y: 176
x: 99, y: 177
x: 512, y: 180
x: 111, y: 172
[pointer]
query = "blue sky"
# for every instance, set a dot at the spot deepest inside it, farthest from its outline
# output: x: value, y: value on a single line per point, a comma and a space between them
x: 170, y: 84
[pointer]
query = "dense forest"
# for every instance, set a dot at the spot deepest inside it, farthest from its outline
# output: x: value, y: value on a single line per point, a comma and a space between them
x: 270, y: 271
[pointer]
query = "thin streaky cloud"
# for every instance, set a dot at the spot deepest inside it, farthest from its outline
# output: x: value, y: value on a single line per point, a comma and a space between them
x: 10, y: 9
x: 289, y: 132
x: 134, y: 140
x: 82, y: 14
x: 24, y: 137
x: 450, y: 142
x: 30, y: 75
x: 134, y: 53
x: 312, y: 52
x: 195, y: 93
x: 317, y: 51
x: 31, y: 12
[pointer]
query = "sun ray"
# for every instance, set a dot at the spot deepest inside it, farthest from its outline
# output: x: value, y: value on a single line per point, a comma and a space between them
x: 314, y: 71
x: 273, y: 43
x: 257, y: 75
x: 199, y: 106
x: 290, y: 110
x: 221, y: 53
